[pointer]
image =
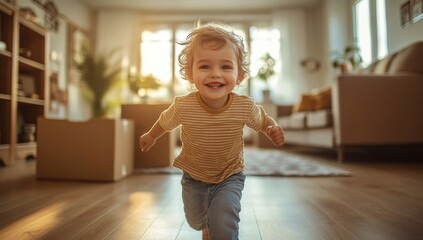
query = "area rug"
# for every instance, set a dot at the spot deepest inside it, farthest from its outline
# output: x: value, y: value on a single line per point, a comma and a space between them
x: 268, y: 162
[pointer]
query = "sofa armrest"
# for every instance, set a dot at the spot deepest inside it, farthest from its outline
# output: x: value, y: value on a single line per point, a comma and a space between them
x: 376, y: 109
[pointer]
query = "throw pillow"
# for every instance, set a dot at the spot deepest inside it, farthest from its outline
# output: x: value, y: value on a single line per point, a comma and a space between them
x: 408, y: 60
x: 382, y: 66
x: 323, y: 99
x: 306, y: 103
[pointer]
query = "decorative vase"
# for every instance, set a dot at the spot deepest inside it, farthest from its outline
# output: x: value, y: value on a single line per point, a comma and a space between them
x: 346, y: 67
x: 266, y: 96
x: 28, y: 133
x: 2, y: 46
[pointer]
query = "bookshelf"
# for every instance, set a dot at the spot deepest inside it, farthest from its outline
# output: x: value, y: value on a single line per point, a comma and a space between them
x: 23, y: 83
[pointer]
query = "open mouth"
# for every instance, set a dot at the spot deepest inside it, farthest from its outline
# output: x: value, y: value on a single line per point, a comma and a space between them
x: 215, y: 85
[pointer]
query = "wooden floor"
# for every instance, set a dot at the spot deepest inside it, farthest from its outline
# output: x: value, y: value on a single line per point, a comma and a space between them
x: 380, y: 201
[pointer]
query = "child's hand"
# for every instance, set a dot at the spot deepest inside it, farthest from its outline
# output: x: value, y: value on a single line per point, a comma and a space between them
x: 276, y: 134
x: 146, y: 141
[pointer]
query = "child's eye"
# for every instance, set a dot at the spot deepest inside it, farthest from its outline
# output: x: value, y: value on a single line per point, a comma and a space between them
x: 204, y: 67
x: 226, y: 67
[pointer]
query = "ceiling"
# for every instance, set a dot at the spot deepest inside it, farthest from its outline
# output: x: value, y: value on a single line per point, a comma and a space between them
x: 198, y: 5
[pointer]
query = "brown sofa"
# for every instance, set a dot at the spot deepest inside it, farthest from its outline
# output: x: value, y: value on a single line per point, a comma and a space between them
x: 380, y: 105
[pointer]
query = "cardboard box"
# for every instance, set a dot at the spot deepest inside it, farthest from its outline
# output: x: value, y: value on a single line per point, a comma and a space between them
x: 98, y: 149
x: 144, y: 116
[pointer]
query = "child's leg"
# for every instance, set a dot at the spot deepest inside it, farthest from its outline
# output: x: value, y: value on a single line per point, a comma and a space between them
x: 225, y: 205
x: 194, y: 196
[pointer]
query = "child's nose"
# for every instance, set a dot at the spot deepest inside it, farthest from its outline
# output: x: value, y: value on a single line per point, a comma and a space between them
x: 215, y: 72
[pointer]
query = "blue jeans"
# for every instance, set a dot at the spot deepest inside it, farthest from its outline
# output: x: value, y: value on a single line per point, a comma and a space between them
x: 214, y: 206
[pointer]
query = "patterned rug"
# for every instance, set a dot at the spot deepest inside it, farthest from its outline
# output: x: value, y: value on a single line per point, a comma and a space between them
x: 268, y: 162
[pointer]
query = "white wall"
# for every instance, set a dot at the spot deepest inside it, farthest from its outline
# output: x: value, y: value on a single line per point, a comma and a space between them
x: 399, y: 37
x: 76, y: 13
x: 337, y: 26
x: 315, y: 40
x: 118, y: 30
x: 291, y: 24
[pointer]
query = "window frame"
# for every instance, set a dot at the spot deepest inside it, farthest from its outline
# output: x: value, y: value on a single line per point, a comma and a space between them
x: 378, y: 50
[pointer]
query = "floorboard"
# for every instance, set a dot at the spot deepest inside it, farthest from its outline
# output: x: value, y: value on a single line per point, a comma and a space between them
x: 382, y: 200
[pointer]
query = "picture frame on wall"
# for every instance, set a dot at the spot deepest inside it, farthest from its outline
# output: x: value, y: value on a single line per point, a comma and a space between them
x: 405, y: 14
x: 416, y: 10
x: 77, y: 39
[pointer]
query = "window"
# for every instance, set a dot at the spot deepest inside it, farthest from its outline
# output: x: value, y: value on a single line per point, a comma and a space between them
x: 362, y: 25
x: 156, y: 53
x: 370, y: 29
x: 263, y: 40
x: 381, y: 29
x: 160, y: 50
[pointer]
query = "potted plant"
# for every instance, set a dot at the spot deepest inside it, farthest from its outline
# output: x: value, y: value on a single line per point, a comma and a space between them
x: 347, y: 60
x: 145, y: 83
x: 265, y: 72
x: 99, y: 77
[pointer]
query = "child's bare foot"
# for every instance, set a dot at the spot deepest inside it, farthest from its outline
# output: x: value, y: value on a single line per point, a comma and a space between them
x: 205, y: 234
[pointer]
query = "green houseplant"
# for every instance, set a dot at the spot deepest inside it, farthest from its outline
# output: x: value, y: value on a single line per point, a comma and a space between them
x: 347, y: 60
x: 99, y: 76
x: 265, y: 72
x: 146, y: 83
x: 267, y: 69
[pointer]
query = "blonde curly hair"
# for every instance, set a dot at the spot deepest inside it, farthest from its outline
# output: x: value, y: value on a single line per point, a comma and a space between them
x: 219, y: 35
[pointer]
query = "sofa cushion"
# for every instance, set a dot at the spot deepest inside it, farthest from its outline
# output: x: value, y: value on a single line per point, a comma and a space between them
x: 323, y: 99
x: 297, y: 120
x: 283, y: 122
x: 382, y: 66
x: 294, y: 121
x: 408, y: 60
x: 306, y: 103
x: 317, y: 99
x: 369, y: 69
x: 319, y: 119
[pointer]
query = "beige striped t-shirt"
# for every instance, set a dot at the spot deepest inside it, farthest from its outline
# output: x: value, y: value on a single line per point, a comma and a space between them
x: 212, y: 139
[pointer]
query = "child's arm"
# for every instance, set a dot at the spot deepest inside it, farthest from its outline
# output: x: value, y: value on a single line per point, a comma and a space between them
x: 148, y: 139
x: 274, y: 132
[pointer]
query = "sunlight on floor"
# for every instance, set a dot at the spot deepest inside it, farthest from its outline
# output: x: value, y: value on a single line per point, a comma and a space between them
x: 36, y: 224
x: 146, y: 198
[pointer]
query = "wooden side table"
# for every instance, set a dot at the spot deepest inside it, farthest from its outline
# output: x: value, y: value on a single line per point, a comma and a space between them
x: 144, y: 116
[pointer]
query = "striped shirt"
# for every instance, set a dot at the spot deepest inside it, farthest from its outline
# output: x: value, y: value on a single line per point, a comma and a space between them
x: 212, y: 139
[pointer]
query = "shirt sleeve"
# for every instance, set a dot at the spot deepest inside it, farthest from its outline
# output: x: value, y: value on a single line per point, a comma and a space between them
x: 169, y: 118
x: 256, y: 117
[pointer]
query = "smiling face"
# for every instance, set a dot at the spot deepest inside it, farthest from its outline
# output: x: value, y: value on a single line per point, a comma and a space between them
x: 215, y: 73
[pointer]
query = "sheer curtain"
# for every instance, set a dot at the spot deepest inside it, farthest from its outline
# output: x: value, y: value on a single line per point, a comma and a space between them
x: 292, y: 27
